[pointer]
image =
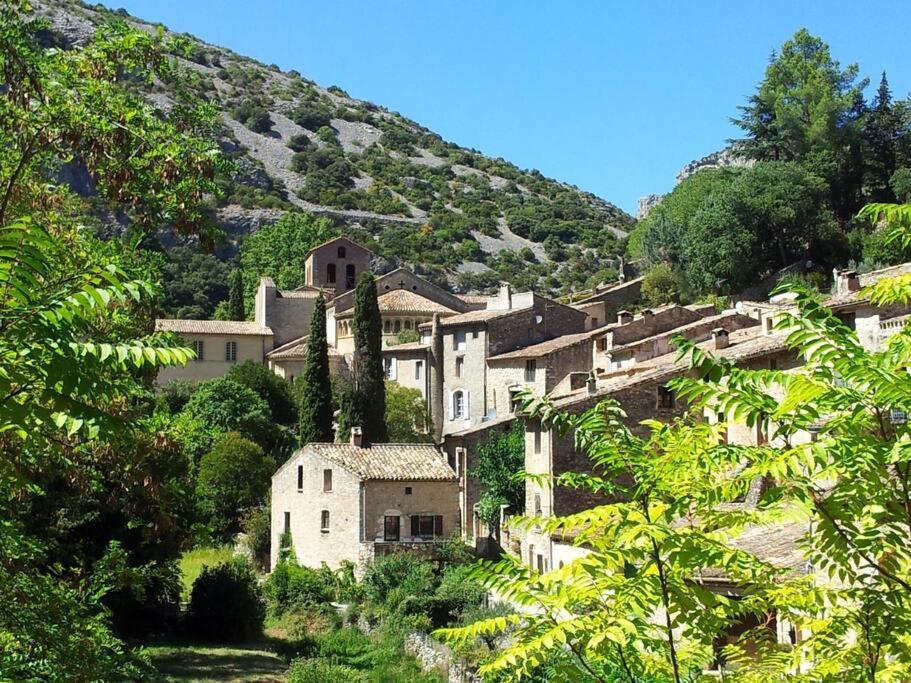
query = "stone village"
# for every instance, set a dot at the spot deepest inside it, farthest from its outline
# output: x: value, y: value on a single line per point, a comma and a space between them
x: 353, y: 501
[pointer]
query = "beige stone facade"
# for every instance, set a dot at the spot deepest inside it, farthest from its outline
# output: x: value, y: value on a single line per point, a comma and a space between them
x: 347, y: 502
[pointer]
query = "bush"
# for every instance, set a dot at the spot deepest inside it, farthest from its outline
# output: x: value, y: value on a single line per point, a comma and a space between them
x: 174, y: 396
x: 274, y: 390
x: 321, y: 671
x: 662, y: 285
x: 291, y: 586
x: 457, y: 593
x: 256, y: 525
x: 226, y: 603
x: 225, y: 405
x: 299, y: 142
x: 402, y: 582
x: 233, y: 476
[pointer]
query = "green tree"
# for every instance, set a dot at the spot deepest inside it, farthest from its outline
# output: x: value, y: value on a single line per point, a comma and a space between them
x: 225, y: 405
x: 634, y: 607
x: 369, y: 375
x: 85, y: 467
x: 274, y: 390
x: 279, y: 250
x: 662, y: 285
x: 232, y: 478
x: 226, y: 603
x: 316, y: 399
x: 807, y: 109
x: 500, y: 461
x: 236, y: 307
x: 407, y: 419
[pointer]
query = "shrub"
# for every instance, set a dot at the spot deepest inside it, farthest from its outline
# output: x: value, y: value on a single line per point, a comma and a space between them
x: 256, y: 525
x: 232, y: 477
x: 226, y: 603
x: 274, y: 390
x: 321, y: 671
x: 457, y: 593
x: 291, y: 586
x: 299, y: 142
x: 253, y: 116
x: 224, y: 404
x: 662, y: 285
x: 174, y: 395
x: 402, y: 582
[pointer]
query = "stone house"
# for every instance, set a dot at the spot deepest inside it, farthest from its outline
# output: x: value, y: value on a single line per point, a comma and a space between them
x: 336, y: 264
x: 349, y: 502
x: 219, y: 344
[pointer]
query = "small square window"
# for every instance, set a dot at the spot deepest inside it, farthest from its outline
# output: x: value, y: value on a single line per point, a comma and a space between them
x: 407, y: 490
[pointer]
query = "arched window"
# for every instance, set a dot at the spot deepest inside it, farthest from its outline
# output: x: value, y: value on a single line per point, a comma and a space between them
x: 407, y: 324
x: 387, y: 327
x: 349, y: 276
x: 330, y: 272
x: 341, y: 252
x: 398, y: 326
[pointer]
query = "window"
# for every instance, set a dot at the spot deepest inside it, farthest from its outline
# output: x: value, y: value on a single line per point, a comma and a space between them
x: 392, y: 527
x: 514, y: 402
x: 330, y: 272
x: 426, y: 526
x: 349, y: 276
x: 666, y: 398
x: 387, y: 327
x: 530, y: 366
x: 602, y: 344
x: 537, y: 438
x: 324, y: 521
x: 327, y: 480
x: 537, y: 504
x: 458, y: 405
x: 198, y: 349
x: 287, y: 522
x: 300, y: 477
x: 408, y: 324
x: 540, y: 562
x: 594, y: 322
x: 459, y: 341
x: 459, y: 365
x: 231, y: 351
x: 848, y: 319
x: 341, y: 252
x: 397, y: 327
x: 389, y: 367
x: 474, y: 335
x: 418, y: 369
x: 407, y: 490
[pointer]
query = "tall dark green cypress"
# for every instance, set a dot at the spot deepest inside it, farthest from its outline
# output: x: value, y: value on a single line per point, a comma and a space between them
x: 368, y: 360
x: 316, y: 401
x: 236, y: 296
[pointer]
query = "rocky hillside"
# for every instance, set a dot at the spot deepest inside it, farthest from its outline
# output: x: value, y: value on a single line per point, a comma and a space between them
x: 449, y: 211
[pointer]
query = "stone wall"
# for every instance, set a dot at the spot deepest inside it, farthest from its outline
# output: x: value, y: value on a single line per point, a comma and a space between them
x: 434, y: 656
x: 382, y: 498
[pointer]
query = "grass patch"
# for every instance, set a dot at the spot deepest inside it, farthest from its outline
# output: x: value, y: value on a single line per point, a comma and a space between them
x: 193, y: 561
x: 201, y: 664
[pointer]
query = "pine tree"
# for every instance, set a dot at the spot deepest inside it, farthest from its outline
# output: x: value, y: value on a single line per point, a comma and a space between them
x: 316, y: 401
x: 368, y: 360
x: 882, y: 129
x: 236, y: 296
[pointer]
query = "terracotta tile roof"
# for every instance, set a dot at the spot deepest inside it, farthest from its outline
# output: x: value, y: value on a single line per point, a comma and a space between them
x: 401, y: 300
x: 778, y: 545
x: 716, y: 320
x: 551, y: 345
x: 296, y: 348
x: 387, y: 461
x: 479, y: 316
x: 410, y: 346
x: 473, y: 298
x: 866, y: 279
x: 211, y: 327
x: 340, y: 238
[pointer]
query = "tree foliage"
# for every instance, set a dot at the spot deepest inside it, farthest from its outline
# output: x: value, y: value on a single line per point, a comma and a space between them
x: 316, y: 398
x: 274, y: 390
x: 636, y: 607
x: 501, y: 460
x: 407, y: 419
x: 369, y: 375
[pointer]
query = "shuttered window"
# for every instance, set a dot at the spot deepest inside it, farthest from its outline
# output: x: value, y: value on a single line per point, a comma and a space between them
x: 426, y: 526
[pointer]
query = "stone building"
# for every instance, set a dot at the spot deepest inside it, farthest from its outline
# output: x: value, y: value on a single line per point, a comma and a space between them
x: 336, y: 264
x: 349, y: 502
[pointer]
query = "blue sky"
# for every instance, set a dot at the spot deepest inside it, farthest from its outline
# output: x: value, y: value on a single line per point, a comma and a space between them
x: 613, y: 97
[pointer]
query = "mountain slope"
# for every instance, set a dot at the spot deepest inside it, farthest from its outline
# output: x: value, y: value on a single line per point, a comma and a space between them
x: 449, y: 211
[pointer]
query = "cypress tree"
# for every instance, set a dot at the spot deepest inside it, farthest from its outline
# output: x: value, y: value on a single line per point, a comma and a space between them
x: 368, y: 360
x: 316, y: 401
x: 236, y: 296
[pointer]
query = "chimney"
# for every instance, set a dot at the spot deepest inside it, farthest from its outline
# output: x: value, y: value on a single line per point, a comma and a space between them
x: 720, y: 338
x: 591, y: 384
x: 624, y: 317
x: 357, y: 437
x: 848, y: 281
